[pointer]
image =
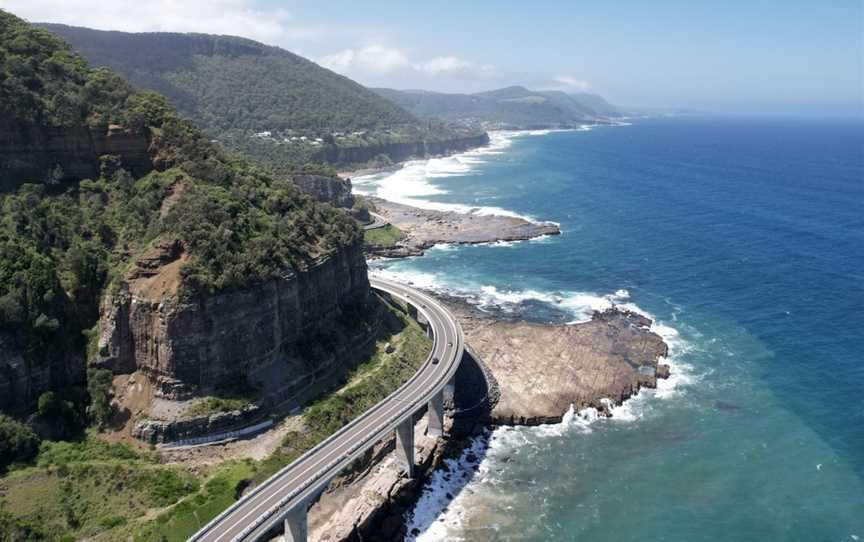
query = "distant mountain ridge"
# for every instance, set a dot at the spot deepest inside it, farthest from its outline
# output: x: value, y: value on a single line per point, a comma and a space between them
x: 263, y: 87
x: 510, y: 107
x: 269, y: 103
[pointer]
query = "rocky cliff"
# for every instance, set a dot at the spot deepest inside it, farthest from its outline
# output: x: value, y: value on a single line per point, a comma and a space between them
x: 399, y: 152
x: 30, y: 153
x: 326, y: 189
x: 250, y: 336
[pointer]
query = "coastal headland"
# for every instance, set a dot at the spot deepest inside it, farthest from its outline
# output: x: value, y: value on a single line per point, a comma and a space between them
x: 424, y: 228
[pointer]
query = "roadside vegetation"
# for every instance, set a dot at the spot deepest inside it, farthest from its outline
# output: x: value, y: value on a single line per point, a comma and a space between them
x: 214, y: 405
x: 87, y: 488
x: 370, y: 382
x: 65, y: 242
x: 69, y: 490
x: 387, y: 236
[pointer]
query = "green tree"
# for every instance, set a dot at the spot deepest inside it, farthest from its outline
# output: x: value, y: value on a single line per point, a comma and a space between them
x: 18, y: 443
x: 99, y: 382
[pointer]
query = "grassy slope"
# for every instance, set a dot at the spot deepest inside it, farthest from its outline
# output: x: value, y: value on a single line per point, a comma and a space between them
x: 387, y: 236
x: 109, y: 492
x: 369, y: 383
x: 89, y: 487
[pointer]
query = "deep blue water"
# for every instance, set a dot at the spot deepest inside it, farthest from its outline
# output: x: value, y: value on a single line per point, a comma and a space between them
x: 744, y: 240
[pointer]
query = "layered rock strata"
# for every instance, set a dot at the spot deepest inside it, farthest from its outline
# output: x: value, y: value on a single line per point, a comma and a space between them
x: 399, y: 152
x: 543, y: 369
x: 30, y: 153
x: 326, y: 189
x: 254, y: 336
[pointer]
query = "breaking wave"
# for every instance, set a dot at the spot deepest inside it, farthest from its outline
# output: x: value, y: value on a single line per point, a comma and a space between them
x: 414, y: 183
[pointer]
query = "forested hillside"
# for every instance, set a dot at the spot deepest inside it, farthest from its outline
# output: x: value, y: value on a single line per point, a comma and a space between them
x: 510, y: 107
x: 65, y: 239
x: 230, y: 83
x: 264, y: 101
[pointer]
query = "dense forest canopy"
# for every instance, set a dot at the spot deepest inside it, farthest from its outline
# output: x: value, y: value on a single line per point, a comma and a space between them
x: 63, y: 243
x: 267, y: 103
x: 227, y: 83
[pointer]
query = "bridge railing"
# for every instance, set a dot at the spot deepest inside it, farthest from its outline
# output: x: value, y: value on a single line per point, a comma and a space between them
x: 353, y: 451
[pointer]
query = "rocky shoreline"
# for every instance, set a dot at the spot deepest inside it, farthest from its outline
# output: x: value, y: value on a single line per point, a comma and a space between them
x: 516, y: 373
x: 424, y: 228
x: 543, y: 369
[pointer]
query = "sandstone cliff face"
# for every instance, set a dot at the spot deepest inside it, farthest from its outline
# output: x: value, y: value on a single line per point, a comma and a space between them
x: 250, y: 336
x: 399, y: 152
x: 332, y: 190
x: 29, y: 152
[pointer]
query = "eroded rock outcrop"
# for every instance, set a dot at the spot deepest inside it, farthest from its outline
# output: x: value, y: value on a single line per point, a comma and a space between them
x: 543, y: 369
x: 250, y: 336
x: 326, y: 189
x: 399, y: 152
x: 30, y: 153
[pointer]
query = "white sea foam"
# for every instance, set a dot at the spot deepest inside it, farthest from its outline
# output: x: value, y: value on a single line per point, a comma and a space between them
x: 439, y: 518
x: 413, y: 184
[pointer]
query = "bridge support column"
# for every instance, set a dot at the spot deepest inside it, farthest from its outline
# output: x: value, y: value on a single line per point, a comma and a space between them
x: 405, y: 445
x: 450, y: 391
x: 296, y: 524
x: 435, y: 415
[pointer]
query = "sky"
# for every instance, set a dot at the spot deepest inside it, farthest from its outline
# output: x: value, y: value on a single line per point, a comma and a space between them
x: 734, y: 56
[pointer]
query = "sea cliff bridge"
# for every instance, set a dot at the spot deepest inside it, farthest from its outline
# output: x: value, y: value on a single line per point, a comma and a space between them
x: 285, y: 497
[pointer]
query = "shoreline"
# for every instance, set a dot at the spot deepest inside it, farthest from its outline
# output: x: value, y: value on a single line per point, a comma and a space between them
x: 424, y: 229
x: 535, y: 368
x: 447, y: 464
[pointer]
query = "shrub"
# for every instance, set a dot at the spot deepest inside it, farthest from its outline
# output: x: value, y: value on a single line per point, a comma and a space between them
x: 99, y: 382
x: 18, y: 443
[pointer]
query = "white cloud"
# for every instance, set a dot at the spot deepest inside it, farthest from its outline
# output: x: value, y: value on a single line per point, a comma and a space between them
x: 234, y: 17
x: 378, y: 60
x: 374, y: 62
x: 571, y: 82
x: 372, y: 58
x: 443, y: 64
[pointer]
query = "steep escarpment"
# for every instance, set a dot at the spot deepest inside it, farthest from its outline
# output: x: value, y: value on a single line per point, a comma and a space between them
x: 512, y: 107
x: 33, y: 153
x: 228, y: 339
x: 326, y: 188
x: 121, y: 219
x: 400, y: 151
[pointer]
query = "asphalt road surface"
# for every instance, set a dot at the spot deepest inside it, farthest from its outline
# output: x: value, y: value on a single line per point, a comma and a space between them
x: 256, y: 513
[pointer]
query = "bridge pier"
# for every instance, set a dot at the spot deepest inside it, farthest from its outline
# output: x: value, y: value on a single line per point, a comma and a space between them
x: 450, y: 390
x: 296, y: 524
x: 405, y: 445
x: 435, y: 415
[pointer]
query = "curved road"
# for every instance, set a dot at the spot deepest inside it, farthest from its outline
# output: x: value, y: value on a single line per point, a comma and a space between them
x: 258, y: 512
x: 378, y: 221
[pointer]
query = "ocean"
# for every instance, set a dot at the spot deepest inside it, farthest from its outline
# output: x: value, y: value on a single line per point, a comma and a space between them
x: 743, y: 239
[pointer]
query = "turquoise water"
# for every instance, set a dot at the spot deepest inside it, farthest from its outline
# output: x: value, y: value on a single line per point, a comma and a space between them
x: 744, y: 240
